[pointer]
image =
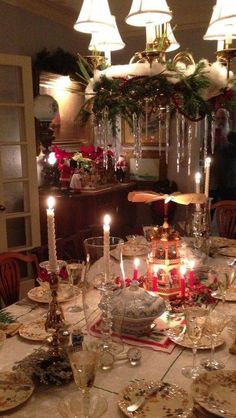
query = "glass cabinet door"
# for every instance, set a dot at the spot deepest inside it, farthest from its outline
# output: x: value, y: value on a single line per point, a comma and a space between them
x: 19, y: 223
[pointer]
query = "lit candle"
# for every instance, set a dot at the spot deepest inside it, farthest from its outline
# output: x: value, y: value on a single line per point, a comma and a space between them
x: 150, y: 33
x: 136, y: 266
x: 52, y: 253
x: 191, y: 275
x: 182, y: 281
x: 207, y: 175
x: 106, y: 245
x: 155, y: 279
x: 197, y: 182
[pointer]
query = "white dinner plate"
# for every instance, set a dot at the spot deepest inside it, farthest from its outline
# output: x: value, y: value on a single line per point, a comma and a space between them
x: 34, y: 331
x: 168, y: 401
x: 215, y: 392
x: 15, y: 389
x: 65, y: 293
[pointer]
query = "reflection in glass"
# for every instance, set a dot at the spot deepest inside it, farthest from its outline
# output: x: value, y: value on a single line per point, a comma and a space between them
x: 11, y: 84
x: 12, y: 124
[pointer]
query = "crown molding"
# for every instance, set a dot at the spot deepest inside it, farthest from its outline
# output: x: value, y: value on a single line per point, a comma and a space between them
x: 58, y: 13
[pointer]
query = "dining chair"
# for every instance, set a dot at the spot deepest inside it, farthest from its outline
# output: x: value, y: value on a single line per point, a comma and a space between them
x: 225, y: 212
x: 11, y: 266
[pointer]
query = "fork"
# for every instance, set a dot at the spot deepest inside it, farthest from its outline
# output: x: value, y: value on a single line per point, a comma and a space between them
x: 142, y: 399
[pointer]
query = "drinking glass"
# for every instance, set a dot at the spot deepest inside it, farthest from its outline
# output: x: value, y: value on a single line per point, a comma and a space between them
x: 215, y: 323
x: 104, y: 273
x: 74, y: 269
x: 195, y: 319
x: 85, y: 404
x: 225, y: 276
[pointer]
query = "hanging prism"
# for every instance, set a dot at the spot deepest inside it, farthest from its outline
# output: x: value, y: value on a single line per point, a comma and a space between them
x: 190, y: 137
x: 137, y: 133
x: 105, y: 124
x: 205, y: 138
x: 159, y: 132
x: 178, y: 144
x: 182, y: 153
x: 213, y: 133
x: 167, y: 132
x: 146, y: 119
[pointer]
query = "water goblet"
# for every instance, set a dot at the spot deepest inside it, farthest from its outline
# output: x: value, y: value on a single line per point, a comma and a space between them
x: 74, y: 269
x: 215, y: 323
x: 225, y: 276
x: 195, y: 318
x: 85, y: 404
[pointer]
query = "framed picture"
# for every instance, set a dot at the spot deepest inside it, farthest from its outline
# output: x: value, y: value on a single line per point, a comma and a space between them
x: 152, y: 133
x: 151, y: 167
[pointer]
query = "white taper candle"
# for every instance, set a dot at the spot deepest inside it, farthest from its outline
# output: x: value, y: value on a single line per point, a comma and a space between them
x: 106, y: 245
x: 52, y: 253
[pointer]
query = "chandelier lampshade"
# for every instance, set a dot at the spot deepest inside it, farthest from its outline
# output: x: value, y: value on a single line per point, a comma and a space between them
x: 144, y: 12
x: 108, y: 39
x: 173, y: 42
x: 217, y: 29
x: 94, y: 15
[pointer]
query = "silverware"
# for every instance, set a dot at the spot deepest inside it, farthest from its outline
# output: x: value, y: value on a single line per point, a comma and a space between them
x: 142, y: 399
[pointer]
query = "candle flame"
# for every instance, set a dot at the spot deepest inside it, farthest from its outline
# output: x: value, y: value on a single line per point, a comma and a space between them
x: 52, y: 158
x: 182, y: 270
x: 197, y: 177
x: 155, y: 269
x: 191, y: 264
x: 51, y: 202
x: 107, y: 220
x: 136, y: 262
x: 207, y: 162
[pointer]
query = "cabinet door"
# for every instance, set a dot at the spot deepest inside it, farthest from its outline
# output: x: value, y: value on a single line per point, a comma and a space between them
x: 19, y: 223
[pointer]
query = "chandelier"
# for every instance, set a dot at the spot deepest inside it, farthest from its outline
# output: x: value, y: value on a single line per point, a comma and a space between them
x: 152, y: 86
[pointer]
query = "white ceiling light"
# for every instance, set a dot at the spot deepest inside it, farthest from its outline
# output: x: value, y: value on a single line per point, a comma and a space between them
x: 145, y: 12
x: 94, y: 15
x: 108, y: 39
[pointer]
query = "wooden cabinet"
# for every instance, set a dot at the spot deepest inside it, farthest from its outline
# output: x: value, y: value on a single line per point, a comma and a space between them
x: 77, y: 212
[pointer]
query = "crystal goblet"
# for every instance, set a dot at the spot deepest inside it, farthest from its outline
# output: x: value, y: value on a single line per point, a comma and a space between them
x: 225, y: 276
x: 74, y: 269
x: 215, y: 323
x: 195, y: 319
x: 84, y: 404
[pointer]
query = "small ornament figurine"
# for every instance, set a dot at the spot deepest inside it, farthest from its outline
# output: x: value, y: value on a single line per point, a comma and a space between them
x: 65, y: 175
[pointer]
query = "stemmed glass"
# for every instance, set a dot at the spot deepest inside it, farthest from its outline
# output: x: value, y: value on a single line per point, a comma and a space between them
x: 215, y: 323
x: 195, y: 319
x: 84, y: 404
x: 74, y: 269
x: 225, y: 276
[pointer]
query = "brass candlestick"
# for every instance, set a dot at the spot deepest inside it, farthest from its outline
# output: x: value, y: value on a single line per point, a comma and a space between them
x: 55, y: 317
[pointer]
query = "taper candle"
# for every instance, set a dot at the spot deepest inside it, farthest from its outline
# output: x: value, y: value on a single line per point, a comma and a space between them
x: 197, y: 182
x: 155, y: 279
x: 52, y: 253
x: 182, y: 281
x: 106, y: 245
x: 207, y: 175
x: 136, y: 266
x: 191, y: 275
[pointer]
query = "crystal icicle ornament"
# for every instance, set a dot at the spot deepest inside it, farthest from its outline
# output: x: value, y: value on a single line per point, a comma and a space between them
x: 205, y: 138
x: 105, y: 123
x: 190, y: 137
x: 146, y: 118
x: 213, y: 127
x: 137, y: 133
x: 182, y: 136
x: 159, y: 132
x: 178, y: 145
x: 167, y: 132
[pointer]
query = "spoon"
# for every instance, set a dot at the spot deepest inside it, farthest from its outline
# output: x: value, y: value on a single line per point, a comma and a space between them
x: 142, y: 399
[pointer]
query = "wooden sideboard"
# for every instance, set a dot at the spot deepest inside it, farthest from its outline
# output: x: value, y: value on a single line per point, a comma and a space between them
x: 77, y: 212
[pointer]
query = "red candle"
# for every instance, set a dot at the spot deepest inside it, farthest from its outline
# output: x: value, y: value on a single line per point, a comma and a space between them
x: 136, y: 265
x: 182, y: 281
x: 191, y: 275
x: 155, y: 279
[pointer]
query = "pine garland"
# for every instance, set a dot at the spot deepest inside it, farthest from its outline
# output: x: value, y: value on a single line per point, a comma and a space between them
x: 6, y: 317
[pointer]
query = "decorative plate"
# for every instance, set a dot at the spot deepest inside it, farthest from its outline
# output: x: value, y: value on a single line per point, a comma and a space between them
x: 215, y: 392
x: 230, y: 295
x: 169, y: 400
x: 184, y: 341
x: 222, y: 242
x: 65, y: 293
x: 228, y: 251
x: 15, y: 388
x: 134, y: 250
x: 34, y: 331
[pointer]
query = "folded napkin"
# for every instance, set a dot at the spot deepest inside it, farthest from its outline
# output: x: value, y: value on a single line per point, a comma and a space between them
x: 10, y: 329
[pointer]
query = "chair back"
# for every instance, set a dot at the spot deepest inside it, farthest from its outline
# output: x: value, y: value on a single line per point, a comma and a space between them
x: 10, y: 274
x: 226, y: 217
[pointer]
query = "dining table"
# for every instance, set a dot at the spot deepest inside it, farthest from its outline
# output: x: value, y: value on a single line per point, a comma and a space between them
x: 154, y: 365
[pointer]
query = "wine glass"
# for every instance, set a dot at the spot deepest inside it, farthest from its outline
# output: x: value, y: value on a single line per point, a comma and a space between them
x: 85, y: 404
x: 225, y: 276
x: 215, y: 323
x: 104, y: 274
x: 195, y: 319
x: 74, y: 269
